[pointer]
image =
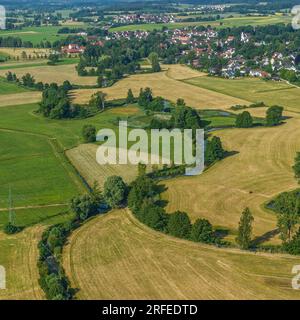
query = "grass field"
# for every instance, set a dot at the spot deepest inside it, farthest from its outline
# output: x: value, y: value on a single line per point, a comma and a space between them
x: 9, y: 88
x: 12, y: 65
x: 35, y: 34
x: 37, y: 174
x: 31, y: 216
x: 253, y: 90
x: 163, y: 84
x: 222, y: 23
x: 19, y: 254
x: 58, y: 74
x: 116, y: 257
x: 68, y: 132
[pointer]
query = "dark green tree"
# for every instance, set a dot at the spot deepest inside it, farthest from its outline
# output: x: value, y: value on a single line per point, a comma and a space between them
x: 274, y: 116
x: 154, y: 59
x: 153, y: 216
x: 89, y: 133
x: 245, y: 230
x: 179, y: 225
x: 293, y: 246
x: 244, y: 120
x: 296, y: 167
x: 214, y: 151
x: 130, y: 97
x: 143, y: 189
x: 202, y: 231
x: 115, y: 191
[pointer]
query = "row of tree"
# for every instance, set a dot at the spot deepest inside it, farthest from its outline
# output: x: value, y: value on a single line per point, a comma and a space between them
x: 273, y: 118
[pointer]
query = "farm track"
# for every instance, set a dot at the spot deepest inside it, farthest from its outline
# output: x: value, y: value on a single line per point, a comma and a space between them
x: 37, y: 207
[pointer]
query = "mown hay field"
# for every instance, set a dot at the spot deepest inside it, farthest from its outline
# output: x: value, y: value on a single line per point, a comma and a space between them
x: 254, y: 90
x: 116, y: 257
x: 164, y: 85
x: 58, y: 74
x: 83, y: 158
x: 259, y: 168
x: 17, y: 52
x: 20, y: 98
x: 19, y: 256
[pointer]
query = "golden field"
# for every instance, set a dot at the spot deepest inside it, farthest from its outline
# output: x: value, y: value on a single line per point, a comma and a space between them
x: 116, y: 257
x: 19, y: 255
x: 260, y: 169
x: 20, y: 98
x: 17, y: 52
x: 165, y: 84
x: 58, y: 74
x: 83, y: 158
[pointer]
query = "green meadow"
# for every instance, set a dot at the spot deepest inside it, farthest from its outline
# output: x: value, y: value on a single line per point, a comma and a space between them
x: 12, y: 66
x: 36, y: 172
x: 9, y: 88
x: 36, y: 34
x: 253, y: 89
x: 29, y: 217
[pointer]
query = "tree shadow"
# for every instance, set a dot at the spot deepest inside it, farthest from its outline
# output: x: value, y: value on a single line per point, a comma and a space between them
x: 230, y: 153
x: 221, y: 233
x: 265, y: 237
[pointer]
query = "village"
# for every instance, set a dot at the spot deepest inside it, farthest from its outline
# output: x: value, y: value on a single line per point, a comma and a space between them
x: 200, y: 47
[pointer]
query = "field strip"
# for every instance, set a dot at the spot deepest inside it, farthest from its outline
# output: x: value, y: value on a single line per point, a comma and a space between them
x: 20, y: 98
x: 253, y: 90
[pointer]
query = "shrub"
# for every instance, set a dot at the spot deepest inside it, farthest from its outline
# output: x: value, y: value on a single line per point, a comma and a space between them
x: 89, y: 133
x: 202, y: 231
x: 115, y: 191
x: 179, y: 225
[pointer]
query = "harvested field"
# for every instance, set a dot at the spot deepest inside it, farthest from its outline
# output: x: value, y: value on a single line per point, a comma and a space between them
x: 19, y: 255
x: 58, y: 74
x: 83, y: 158
x: 20, y: 98
x: 169, y: 88
x: 254, y: 90
x: 260, y: 168
x: 116, y: 257
x: 17, y: 52
x: 182, y: 72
